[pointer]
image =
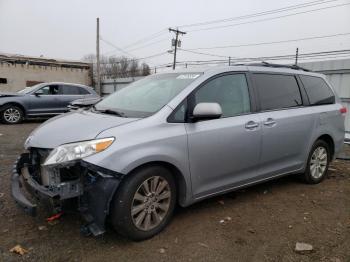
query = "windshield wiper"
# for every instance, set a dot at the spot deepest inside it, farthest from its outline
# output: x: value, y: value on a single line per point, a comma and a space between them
x: 110, y: 111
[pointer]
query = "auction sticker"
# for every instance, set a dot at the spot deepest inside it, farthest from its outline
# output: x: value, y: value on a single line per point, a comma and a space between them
x: 188, y: 76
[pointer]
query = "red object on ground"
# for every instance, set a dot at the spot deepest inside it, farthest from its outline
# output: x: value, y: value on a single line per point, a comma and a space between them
x: 54, y: 217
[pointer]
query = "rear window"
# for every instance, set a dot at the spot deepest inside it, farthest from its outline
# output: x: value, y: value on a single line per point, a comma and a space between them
x: 318, y: 91
x: 277, y: 91
x: 69, y: 90
x: 83, y: 91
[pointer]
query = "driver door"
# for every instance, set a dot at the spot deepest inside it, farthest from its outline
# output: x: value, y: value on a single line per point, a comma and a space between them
x: 45, y: 100
x: 225, y: 152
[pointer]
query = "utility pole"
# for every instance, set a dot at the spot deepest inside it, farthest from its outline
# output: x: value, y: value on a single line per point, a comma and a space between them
x: 296, y: 56
x: 229, y: 60
x: 98, y: 83
x: 177, y: 32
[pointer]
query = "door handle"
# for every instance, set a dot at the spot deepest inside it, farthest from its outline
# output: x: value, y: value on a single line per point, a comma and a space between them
x: 270, y: 122
x: 251, y: 125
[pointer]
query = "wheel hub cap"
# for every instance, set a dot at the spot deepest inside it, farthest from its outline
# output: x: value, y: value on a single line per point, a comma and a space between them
x: 12, y: 115
x: 318, y: 162
x: 151, y: 203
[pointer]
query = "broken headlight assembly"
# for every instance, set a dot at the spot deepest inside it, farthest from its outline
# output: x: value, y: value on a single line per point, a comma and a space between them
x: 78, y: 150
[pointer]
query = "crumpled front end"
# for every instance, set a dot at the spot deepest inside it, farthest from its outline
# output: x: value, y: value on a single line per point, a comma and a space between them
x: 86, y: 187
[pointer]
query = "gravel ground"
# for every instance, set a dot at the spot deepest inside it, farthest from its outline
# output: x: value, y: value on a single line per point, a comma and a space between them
x: 261, y: 223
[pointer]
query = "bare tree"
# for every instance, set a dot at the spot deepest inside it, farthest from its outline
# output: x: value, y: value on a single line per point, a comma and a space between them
x: 146, y: 70
x: 117, y: 67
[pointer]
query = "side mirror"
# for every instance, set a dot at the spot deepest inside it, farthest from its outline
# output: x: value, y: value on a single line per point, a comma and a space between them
x: 39, y: 93
x: 205, y: 111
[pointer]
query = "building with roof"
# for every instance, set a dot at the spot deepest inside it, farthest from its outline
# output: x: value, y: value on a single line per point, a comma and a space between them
x: 18, y: 71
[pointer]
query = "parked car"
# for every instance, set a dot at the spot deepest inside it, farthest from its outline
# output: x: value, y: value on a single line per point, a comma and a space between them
x: 83, y: 103
x: 178, y: 138
x: 45, y: 99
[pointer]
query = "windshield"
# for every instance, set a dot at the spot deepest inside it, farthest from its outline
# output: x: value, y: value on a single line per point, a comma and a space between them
x: 27, y: 90
x: 145, y: 97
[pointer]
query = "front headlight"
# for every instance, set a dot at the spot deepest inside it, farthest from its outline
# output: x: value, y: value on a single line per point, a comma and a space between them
x: 74, y: 151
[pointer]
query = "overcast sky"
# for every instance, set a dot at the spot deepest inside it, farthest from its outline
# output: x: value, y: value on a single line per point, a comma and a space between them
x: 66, y: 29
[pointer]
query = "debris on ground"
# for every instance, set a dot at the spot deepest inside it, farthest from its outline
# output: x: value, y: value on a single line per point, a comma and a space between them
x: 303, y: 247
x: 2, y: 194
x: 221, y: 202
x: 54, y: 217
x: 203, y: 245
x: 226, y: 219
x: 265, y: 192
x: 53, y: 222
x: 42, y: 228
x: 162, y: 250
x: 252, y: 231
x: 18, y: 250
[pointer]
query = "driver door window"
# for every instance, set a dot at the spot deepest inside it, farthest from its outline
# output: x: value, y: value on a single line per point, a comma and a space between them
x: 229, y: 91
x: 49, y: 90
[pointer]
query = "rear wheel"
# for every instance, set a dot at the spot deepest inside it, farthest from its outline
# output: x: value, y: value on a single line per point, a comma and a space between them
x: 318, y: 163
x: 12, y: 114
x: 144, y: 203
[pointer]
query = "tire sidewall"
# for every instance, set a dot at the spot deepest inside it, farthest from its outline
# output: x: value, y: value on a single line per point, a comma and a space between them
x: 308, y: 177
x: 121, y: 205
x: 14, y: 107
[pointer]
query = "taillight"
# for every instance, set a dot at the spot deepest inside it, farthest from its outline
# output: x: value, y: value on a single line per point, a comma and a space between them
x: 343, y: 110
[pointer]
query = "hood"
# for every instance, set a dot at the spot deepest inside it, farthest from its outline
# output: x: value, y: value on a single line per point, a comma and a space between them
x: 73, y: 127
x: 8, y: 94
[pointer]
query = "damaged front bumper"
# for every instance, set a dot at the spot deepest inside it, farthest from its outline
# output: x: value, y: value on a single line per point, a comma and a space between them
x: 89, y: 186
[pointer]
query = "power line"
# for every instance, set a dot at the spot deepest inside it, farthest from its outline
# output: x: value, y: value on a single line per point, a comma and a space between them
x: 152, y: 43
x: 268, y: 12
x: 137, y: 59
x: 116, y: 47
x: 147, y: 38
x: 267, y: 19
x: 269, y: 43
x: 323, y: 54
x: 200, y: 53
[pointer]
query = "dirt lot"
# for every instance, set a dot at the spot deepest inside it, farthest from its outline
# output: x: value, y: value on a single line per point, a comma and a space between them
x: 266, y: 222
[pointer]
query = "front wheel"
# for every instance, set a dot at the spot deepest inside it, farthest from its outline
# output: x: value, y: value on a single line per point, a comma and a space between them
x: 318, y: 163
x: 144, y: 203
x: 12, y: 115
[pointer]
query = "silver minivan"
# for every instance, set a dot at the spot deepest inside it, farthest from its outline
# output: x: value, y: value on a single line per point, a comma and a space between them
x: 177, y: 138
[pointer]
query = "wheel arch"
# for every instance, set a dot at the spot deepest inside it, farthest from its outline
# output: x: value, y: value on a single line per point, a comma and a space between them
x: 179, y: 178
x: 2, y: 107
x: 330, y: 141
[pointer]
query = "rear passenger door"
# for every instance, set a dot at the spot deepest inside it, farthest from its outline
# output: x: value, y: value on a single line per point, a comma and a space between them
x: 69, y: 93
x: 286, y: 125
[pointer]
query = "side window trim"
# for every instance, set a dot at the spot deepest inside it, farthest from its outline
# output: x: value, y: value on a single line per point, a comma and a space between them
x: 190, y: 101
x: 255, y: 87
x: 308, y: 96
x: 45, y: 94
x: 191, y: 96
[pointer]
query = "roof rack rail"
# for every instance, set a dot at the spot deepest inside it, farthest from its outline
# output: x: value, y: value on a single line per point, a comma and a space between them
x: 295, y: 67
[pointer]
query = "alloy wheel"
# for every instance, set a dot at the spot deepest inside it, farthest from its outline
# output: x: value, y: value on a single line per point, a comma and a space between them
x: 318, y: 162
x: 151, y: 203
x: 12, y: 115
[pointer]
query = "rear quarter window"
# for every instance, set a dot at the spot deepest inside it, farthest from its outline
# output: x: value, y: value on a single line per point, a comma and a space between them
x: 317, y: 90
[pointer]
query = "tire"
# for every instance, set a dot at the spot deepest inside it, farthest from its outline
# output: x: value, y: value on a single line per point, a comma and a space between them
x: 12, y: 114
x: 318, y: 163
x: 150, y: 217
